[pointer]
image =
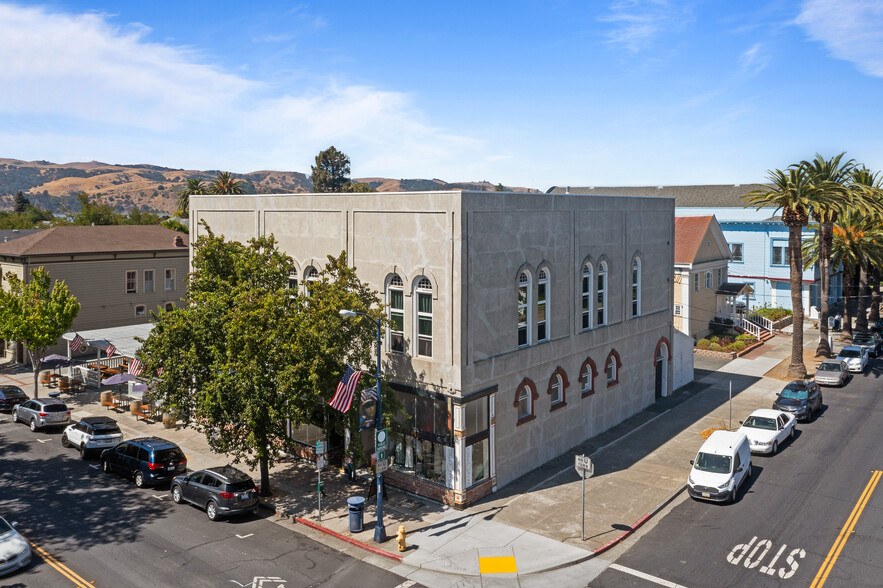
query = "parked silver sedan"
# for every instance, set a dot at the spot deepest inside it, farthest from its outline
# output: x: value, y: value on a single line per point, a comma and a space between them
x: 42, y: 412
x: 832, y: 372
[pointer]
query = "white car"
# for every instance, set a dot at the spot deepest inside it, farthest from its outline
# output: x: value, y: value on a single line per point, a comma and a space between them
x: 92, y: 433
x: 767, y: 429
x: 15, y: 553
x: 856, y: 358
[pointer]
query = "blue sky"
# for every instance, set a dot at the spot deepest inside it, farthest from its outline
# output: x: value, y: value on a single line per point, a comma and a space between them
x: 527, y: 93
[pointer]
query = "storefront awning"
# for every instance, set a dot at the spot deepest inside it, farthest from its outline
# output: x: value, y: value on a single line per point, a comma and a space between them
x: 123, y: 338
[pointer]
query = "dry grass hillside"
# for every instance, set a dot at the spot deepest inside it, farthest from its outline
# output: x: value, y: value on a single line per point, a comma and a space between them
x: 149, y: 187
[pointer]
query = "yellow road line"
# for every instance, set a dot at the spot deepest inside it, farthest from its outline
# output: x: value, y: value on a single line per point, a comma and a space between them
x: 846, y: 531
x: 60, y: 567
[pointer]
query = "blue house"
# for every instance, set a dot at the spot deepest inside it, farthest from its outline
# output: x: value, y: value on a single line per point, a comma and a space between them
x: 758, y: 239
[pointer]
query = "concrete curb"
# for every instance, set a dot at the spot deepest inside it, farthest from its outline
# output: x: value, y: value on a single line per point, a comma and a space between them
x: 640, y: 522
x: 350, y: 540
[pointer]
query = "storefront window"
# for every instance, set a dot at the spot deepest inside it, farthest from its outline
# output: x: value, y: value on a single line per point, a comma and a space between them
x: 476, y: 417
x: 481, y: 469
x: 423, y: 441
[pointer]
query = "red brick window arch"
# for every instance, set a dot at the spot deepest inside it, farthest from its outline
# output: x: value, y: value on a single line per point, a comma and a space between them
x: 557, y: 388
x: 587, y: 374
x: 612, y: 367
x: 525, y: 399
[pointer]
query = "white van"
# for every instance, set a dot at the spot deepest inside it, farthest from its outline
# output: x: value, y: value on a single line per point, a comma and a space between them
x: 721, y: 466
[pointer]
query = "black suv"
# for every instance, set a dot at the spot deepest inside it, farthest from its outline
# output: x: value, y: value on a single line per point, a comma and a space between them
x: 10, y: 396
x: 802, y: 398
x: 149, y: 460
x: 220, y: 491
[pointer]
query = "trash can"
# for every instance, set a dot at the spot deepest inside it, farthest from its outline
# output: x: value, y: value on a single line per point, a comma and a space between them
x: 356, y: 506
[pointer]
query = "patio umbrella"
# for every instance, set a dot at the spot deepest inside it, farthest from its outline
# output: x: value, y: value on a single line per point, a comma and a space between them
x: 55, y: 361
x: 117, y: 379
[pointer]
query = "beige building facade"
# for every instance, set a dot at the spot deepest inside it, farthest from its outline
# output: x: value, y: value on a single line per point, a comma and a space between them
x: 119, y: 274
x: 523, y: 324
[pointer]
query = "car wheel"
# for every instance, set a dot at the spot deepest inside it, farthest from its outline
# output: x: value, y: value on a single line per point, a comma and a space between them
x: 775, y: 448
x: 14, y: 416
x: 139, y: 479
x: 176, y: 494
x: 211, y: 511
x: 64, y: 441
x: 83, y: 451
x: 749, y: 471
x: 105, y: 465
x: 33, y: 424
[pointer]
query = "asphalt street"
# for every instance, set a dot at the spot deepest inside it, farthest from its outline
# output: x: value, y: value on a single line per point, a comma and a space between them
x: 810, y: 516
x: 95, y: 529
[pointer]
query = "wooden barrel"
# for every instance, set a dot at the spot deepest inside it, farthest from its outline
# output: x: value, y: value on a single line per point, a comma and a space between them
x: 106, y: 397
x: 168, y: 420
x: 135, y: 406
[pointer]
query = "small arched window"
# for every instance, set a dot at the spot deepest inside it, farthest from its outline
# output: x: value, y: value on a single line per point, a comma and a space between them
x: 588, y: 272
x: 423, y: 300
x: 395, y: 300
x: 311, y: 276
x: 612, y: 368
x: 524, y: 292
x: 292, y: 283
x: 542, y: 305
x: 525, y: 399
x: 524, y: 403
x: 587, y: 375
x: 601, y: 304
x: 636, y: 287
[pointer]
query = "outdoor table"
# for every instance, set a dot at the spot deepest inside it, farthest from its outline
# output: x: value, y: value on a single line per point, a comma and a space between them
x: 121, y: 401
x: 110, y: 371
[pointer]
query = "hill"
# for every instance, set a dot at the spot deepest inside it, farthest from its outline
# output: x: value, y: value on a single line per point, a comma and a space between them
x: 150, y: 187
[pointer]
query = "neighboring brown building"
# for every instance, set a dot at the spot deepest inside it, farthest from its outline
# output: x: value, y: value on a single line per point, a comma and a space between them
x: 117, y: 273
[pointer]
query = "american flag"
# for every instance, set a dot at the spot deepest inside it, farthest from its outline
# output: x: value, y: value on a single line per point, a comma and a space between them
x: 111, y: 350
x: 77, y: 342
x: 369, y: 393
x: 343, y: 396
x: 135, y: 367
x: 159, y: 371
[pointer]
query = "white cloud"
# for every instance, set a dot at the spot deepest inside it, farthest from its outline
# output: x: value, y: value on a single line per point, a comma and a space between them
x: 753, y: 60
x: 78, y: 87
x: 851, y: 29
x: 638, y: 23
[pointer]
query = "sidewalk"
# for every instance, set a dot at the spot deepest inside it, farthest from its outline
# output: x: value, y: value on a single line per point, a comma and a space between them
x: 531, y: 528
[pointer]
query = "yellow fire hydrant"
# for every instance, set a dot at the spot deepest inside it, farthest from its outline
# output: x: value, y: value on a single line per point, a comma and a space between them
x: 400, y: 538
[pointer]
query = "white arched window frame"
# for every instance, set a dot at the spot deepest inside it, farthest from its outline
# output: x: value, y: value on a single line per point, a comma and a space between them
x: 524, y: 402
x: 524, y: 304
x: 636, y: 287
x: 611, y: 369
x: 588, y: 277
x: 557, y: 391
x: 601, y: 297
x: 588, y: 379
x: 543, y: 305
x: 292, y: 283
x: 311, y: 275
x: 423, y: 311
x: 395, y: 312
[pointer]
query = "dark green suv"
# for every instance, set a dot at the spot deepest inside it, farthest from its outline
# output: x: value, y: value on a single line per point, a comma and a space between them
x: 147, y: 460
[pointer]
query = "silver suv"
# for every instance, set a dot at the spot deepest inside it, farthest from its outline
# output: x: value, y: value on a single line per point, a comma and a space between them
x: 42, y: 412
x: 92, y: 433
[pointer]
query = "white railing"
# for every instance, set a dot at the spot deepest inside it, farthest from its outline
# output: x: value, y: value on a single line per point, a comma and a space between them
x: 761, y: 320
x: 749, y: 327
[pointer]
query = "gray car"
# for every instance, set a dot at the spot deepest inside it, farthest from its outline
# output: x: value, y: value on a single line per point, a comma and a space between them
x: 42, y: 412
x: 221, y: 491
x: 832, y: 372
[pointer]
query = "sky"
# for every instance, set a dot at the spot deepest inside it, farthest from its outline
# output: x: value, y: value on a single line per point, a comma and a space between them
x: 524, y: 93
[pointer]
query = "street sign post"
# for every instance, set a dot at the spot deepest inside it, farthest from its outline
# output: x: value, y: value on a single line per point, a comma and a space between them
x: 320, y: 463
x: 382, y: 465
x: 380, y: 444
x: 585, y: 468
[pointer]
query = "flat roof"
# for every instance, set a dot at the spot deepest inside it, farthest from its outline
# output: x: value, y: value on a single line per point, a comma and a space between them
x: 123, y: 338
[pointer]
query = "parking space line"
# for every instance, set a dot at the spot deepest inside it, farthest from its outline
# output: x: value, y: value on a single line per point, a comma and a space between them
x: 644, y: 576
x: 846, y: 531
x: 60, y: 567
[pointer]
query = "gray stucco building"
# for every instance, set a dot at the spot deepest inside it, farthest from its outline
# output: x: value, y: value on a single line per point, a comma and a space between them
x: 523, y: 323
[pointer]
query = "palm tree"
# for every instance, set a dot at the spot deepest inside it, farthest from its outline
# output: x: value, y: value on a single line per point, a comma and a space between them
x: 226, y: 183
x: 830, y: 176
x: 795, y: 195
x: 193, y: 186
x: 866, y: 187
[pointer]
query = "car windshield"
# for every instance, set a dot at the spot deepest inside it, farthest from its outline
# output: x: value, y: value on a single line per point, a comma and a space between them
x: 55, y: 408
x: 829, y: 367
x: 709, y: 462
x: 795, y: 394
x: 169, y: 455
x: 4, y: 527
x: 849, y: 353
x: 761, y: 423
x: 12, y: 392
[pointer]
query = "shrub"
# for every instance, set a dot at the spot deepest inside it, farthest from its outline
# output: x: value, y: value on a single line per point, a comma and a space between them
x: 746, y: 337
x: 773, y: 313
x: 716, y: 347
x: 703, y: 343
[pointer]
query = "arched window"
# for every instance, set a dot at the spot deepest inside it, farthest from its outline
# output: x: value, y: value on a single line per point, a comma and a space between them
x: 612, y: 367
x: 601, y: 305
x: 292, y: 283
x: 170, y: 306
x: 524, y: 309
x: 542, y: 305
x: 395, y: 300
x: 558, y: 388
x: 311, y: 276
x: 423, y: 301
x: 587, y: 374
x: 587, y: 296
x: 525, y: 398
x: 636, y: 287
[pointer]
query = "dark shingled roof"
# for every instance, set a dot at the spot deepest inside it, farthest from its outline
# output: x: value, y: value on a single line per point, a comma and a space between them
x: 711, y: 196
x: 10, y: 234
x: 731, y: 289
x: 100, y: 239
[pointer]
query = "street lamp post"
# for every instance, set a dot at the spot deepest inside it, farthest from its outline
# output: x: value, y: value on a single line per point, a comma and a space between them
x: 379, y: 530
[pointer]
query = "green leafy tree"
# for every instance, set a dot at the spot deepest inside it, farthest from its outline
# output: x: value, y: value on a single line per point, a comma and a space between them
x: 242, y: 355
x: 331, y: 172
x: 138, y: 217
x: 225, y: 183
x: 357, y: 187
x: 93, y: 212
x: 866, y: 193
x: 194, y: 186
x: 36, y: 313
x: 21, y: 203
x: 175, y: 225
x: 791, y: 192
x: 500, y: 188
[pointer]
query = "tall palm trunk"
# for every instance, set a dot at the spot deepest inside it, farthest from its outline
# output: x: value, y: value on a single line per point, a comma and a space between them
x: 797, y: 369
x: 861, y: 314
x: 825, y: 237
x: 874, y: 278
x: 848, y: 291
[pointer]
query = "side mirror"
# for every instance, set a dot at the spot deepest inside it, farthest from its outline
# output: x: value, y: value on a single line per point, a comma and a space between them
x: 13, y: 524
x: 741, y: 422
x: 739, y: 469
x: 691, y: 462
